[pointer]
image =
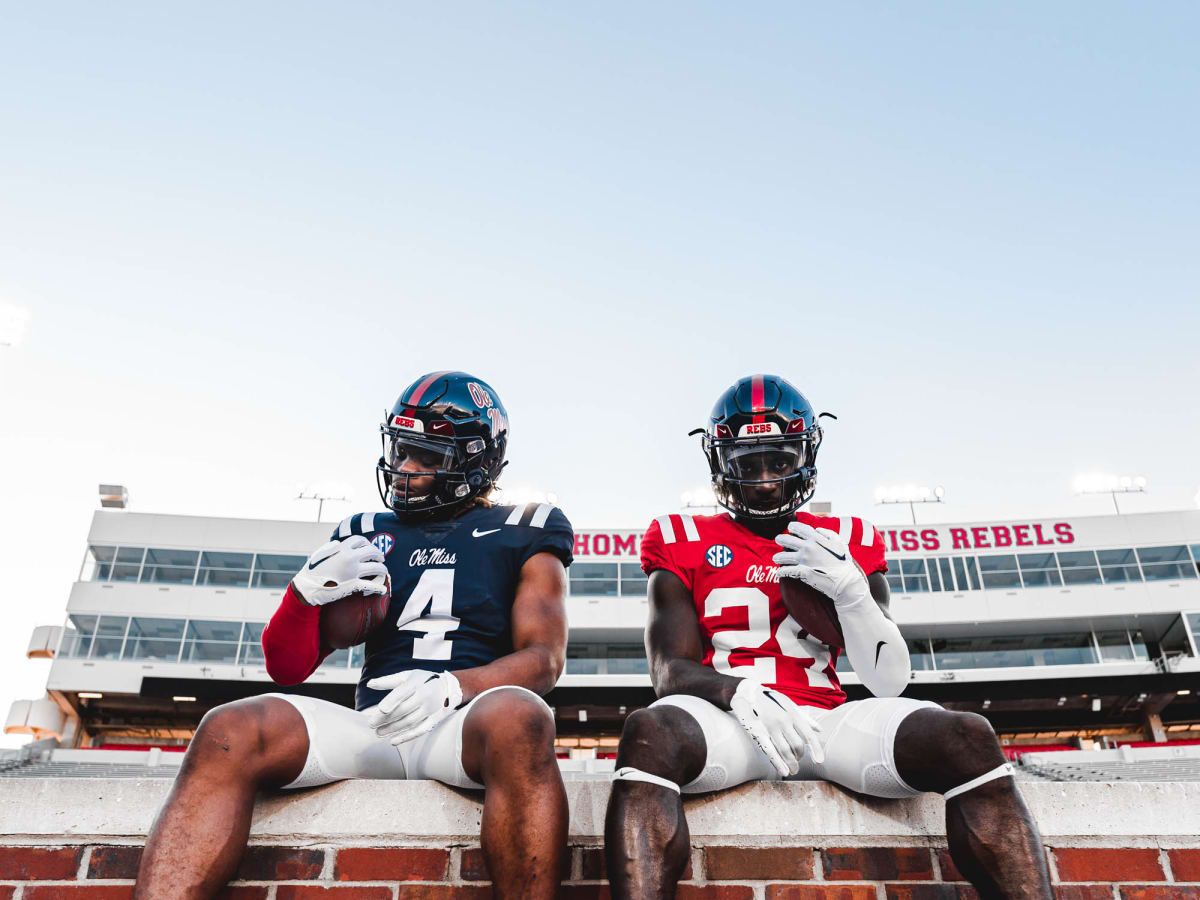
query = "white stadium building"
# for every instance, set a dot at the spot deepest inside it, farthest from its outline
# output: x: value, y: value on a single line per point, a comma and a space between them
x: 1075, y: 632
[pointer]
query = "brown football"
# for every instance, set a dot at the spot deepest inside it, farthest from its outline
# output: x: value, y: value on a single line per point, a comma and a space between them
x: 347, y: 622
x: 813, y: 610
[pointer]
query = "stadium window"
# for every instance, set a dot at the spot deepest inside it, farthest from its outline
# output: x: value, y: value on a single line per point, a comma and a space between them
x: 250, y: 650
x: 1118, y: 566
x: 358, y: 655
x: 584, y: 659
x: 1039, y: 570
x: 633, y: 580
x: 1005, y: 651
x: 98, y: 564
x: 110, y: 637
x: 894, y: 580
x: 170, y: 566
x: 1166, y: 563
x: 211, y: 641
x: 275, y: 570
x: 1115, y: 646
x: 915, y: 579
x: 77, y: 636
x: 220, y: 569
x: 128, y: 564
x: 971, y: 581
x: 626, y: 659
x: 154, y: 639
x: 935, y: 580
x: 1196, y: 556
x: 338, y: 659
x: 947, y: 576
x: 1140, y: 653
x: 999, y: 571
x: 920, y: 656
x: 1079, y: 567
x: 1194, y: 626
x: 594, y: 579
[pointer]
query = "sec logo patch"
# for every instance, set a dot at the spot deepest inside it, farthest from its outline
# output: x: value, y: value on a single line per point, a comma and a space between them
x: 719, y: 556
x: 384, y: 541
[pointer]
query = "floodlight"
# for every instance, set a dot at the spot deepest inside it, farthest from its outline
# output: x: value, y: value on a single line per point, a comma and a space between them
x: 1105, y: 483
x: 910, y: 494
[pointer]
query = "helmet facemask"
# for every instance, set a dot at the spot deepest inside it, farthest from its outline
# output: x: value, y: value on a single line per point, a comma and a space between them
x: 459, y: 467
x: 744, y: 468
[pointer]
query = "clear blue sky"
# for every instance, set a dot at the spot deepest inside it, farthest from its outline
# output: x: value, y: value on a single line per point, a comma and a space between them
x: 240, y: 229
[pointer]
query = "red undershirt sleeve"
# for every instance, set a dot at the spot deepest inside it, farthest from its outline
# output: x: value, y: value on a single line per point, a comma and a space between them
x: 291, y: 641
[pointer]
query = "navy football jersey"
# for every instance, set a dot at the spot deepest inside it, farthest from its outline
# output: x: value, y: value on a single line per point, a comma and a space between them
x: 453, y: 585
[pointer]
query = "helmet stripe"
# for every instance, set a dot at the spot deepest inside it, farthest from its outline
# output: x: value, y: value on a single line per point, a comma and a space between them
x: 758, y: 399
x: 423, y: 387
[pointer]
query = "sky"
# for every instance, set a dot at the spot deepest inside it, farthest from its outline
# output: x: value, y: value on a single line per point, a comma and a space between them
x: 232, y: 234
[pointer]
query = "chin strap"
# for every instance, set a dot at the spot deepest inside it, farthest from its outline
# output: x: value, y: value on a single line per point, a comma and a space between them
x: 999, y: 772
x: 629, y: 773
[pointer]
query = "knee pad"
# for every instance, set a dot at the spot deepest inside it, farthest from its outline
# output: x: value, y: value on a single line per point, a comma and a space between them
x: 629, y: 773
x: 999, y: 772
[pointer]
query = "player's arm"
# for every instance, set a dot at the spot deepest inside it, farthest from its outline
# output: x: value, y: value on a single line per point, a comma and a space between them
x: 874, y: 645
x: 539, y: 626
x: 674, y: 648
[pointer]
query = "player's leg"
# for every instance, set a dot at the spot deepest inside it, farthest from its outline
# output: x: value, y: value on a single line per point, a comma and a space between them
x: 646, y: 840
x: 992, y: 836
x: 200, y: 833
x: 507, y: 745
x: 680, y: 744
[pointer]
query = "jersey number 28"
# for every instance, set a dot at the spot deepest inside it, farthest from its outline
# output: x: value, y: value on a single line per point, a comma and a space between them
x: 435, y: 592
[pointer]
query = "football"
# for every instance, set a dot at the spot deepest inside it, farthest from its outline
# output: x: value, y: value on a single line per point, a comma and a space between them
x: 347, y: 622
x: 813, y: 610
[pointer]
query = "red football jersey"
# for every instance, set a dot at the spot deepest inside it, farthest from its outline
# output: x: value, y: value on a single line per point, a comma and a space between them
x: 746, y: 630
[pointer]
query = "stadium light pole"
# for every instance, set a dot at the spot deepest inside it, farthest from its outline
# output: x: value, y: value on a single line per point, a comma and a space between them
x: 320, y: 498
x: 912, y: 494
x: 1102, y: 483
x: 701, y: 498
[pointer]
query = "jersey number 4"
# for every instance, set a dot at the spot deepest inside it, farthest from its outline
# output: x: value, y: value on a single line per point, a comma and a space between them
x: 758, y: 631
x: 435, y: 592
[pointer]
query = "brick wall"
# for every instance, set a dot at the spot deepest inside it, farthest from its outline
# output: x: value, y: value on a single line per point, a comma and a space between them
x: 81, y: 838
x: 716, y: 872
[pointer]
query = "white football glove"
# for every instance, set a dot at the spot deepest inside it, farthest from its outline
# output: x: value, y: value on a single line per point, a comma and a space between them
x: 821, y: 559
x: 417, y: 701
x: 339, y: 569
x: 782, y: 730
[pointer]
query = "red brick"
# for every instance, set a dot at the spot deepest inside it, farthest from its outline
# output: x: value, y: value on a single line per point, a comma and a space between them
x: 114, y: 862
x: 1156, y: 892
x: 473, y: 866
x: 820, y: 892
x: 877, y: 864
x: 1083, y: 892
x: 1108, y: 864
x: 443, y: 892
x: 315, y: 892
x: 30, y: 863
x: 262, y: 863
x: 594, y: 868
x: 242, y: 892
x: 1185, y: 864
x: 391, y: 864
x: 758, y: 863
x: 584, y: 892
x: 949, y: 869
x: 714, y: 892
x: 78, y: 892
x: 6, y: 891
x: 930, y: 892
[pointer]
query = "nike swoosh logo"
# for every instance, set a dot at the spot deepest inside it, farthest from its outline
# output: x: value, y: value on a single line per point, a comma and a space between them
x: 879, y: 647
x: 477, y: 533
x: 313, y: 565
x: 841, y: 556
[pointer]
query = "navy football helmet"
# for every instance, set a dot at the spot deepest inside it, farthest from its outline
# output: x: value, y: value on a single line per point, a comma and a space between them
x: 455, y: 429
x: 761, y: 443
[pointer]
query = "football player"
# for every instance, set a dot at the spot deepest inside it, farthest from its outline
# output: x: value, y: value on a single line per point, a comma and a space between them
x: 451, y: 688
x: 746, y: 692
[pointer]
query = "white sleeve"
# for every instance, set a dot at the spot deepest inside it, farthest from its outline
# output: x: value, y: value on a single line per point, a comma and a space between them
x: 874, y: 646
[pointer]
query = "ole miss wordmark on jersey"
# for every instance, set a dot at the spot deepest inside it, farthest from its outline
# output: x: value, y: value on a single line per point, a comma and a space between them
x: 747, y: 632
